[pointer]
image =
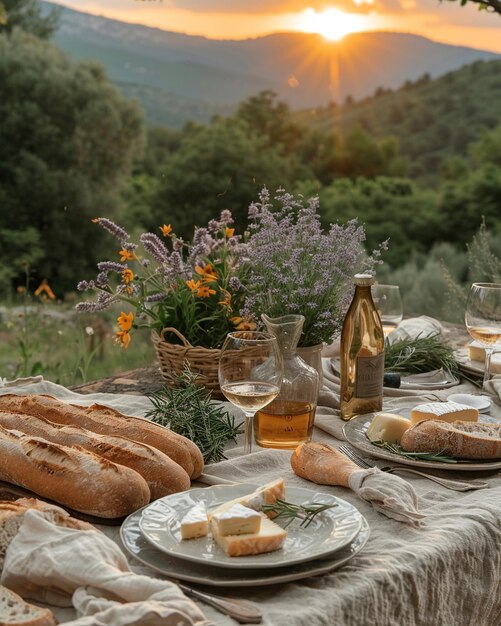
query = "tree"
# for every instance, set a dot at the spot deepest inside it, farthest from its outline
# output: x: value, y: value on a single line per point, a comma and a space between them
x: 489, y: 5
x: 28, y: 15
x: 67, y: 140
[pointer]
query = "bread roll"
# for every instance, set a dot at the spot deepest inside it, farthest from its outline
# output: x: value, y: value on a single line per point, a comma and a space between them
x: 14, y: 610
x: 464, y: 440
x: 72, y: 477
x: 106, y: 421
x: 322, y: 464
x: 163, y: 475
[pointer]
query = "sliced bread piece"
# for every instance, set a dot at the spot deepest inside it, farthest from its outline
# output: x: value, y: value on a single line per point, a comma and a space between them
x: 14, y: 610
x: 464, y: 440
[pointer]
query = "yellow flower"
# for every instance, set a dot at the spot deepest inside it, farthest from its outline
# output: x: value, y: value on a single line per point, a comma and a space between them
x: 207, y: 272
x: 127, y: 276
x: 246, y: 326
x: 44, y: 287
x: 125, y: 255
x: 166, y: 230
x: 204, y: 291
x: 191, y: 284
x: 236, y: 320
x: 227, y: 299
x: 123, y: 338
x: 229, y: 232
x: 125, y: 321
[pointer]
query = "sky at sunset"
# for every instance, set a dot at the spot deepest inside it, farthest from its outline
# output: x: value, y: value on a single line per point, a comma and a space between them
x: 238, y: 19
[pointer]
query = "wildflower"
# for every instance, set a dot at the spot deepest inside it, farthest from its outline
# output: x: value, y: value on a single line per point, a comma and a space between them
x: 166, y: 230
x: 191, y: 284
x: 204, y: 291
x: 246, y: 326
x: 155, y: 297
x: 155, y: 246
x: 235, y: 283
x: 123, y: 338
x: 89, y: 331
x: 207, y: 272
x: 126, y: 255
x: 21, y: 289
x: 227, y: 299
x: 84, y: 285
x: 125, y: 321
x: 44, y: 288
x: 111, y: 266
x: 229, y: 232
x: 127, y: 276
x: 112, y: 228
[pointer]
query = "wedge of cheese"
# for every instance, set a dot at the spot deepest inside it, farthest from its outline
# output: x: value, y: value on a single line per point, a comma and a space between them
x: 195, y: 523
x: 387, y: 427
x: 268, y: 494
x: 237, y: 520
x: 444, y: 411
x: 476, y: 352
x: 269, y: 538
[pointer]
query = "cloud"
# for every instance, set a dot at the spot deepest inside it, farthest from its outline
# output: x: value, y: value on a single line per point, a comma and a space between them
x: 278, y: 6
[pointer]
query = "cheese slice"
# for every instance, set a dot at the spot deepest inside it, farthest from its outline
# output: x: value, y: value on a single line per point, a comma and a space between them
x: 269, y: 538
x: 387, y: 427
x: 195, y: 523
x: 237, y: 520
x: 476, y: 351
x: 268, y: 494
x: 444, y: 411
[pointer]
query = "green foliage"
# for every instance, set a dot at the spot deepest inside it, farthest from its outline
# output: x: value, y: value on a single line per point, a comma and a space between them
x: 67, y: 140
x: 483, y: 5
x: 27, y: 14
x: 18, y: 250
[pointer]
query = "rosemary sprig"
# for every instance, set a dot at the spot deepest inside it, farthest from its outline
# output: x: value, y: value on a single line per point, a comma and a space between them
x: 292, y: 511
x: 188, y: 410
x: 395, y: 448
x: 423, y: 354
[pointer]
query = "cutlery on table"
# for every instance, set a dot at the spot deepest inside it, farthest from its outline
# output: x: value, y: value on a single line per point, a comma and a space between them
x: 455, y: 485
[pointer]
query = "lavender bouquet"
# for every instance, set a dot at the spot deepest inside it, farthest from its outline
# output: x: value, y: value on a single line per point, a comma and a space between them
x: 296, y: 267
x: 194, y: 286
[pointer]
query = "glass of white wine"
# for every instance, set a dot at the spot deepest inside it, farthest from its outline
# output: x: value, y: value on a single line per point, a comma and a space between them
x: 389, y: 306
x: 250, y: 374
x: 483, y: 318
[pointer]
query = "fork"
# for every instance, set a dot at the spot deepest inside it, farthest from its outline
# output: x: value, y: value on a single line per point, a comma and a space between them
x: 455, y: 485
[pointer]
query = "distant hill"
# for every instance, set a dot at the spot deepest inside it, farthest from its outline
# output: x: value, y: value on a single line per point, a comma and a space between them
x: 433, y: 119
x: 180, y: 77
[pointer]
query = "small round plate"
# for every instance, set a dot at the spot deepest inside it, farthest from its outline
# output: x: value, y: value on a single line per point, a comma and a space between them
x: 137, y: 546
x: 481, y: 403
x: 329, y: 531
x: 355, y: 432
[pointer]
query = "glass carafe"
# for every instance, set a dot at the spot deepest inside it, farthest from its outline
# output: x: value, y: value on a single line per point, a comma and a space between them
x: 288, y: 420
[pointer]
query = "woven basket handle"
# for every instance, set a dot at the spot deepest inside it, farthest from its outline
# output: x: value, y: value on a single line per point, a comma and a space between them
x: 179, y: 335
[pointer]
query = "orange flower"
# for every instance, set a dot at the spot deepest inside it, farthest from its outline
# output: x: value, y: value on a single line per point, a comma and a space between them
x: 125, y: 321
x: 207, y: 272
x: 44, y: 287
x: 229, y: 232
x: 95, y: 220
x: 191, y: 284
x: 127, y: 276
x: 123, y: 338
x: 236, y: 320
x: 204, y: 291
x: 166, y: 230
x: 126, y: 255
x: 246, y: 326
x: 227, y: 299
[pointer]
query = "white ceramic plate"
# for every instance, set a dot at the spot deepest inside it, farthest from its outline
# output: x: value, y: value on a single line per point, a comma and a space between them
x: 137, y: 546
x: 330, y: 530
x: 355, y: 432
x: 481, y: 403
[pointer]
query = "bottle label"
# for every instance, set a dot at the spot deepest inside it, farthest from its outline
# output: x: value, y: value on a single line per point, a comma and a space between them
x: 369, y: 376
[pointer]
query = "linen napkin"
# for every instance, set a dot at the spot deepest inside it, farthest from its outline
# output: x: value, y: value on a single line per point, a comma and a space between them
x: 388, y: 494
x: 84, y: 568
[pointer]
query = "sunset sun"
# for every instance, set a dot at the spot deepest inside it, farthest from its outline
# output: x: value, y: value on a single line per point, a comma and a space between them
x: 331, y: 23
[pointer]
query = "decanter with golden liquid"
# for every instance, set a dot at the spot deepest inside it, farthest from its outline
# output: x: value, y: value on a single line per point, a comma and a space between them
x: 288, y: 420
x: 362, y: 353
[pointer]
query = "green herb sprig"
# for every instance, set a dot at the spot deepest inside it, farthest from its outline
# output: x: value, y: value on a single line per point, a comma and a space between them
x: 291, y: 511
x: 423, y: 354
x: 188, y: 410
x: 395, y: 448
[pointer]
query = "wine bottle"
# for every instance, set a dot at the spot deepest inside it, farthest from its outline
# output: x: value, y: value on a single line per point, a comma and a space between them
x: 362, y: 353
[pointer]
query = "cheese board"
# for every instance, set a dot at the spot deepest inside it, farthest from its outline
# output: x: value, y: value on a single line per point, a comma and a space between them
x: 331, y: 530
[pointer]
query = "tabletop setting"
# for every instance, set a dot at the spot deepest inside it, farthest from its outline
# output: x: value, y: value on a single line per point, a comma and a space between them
x: 311, y: 457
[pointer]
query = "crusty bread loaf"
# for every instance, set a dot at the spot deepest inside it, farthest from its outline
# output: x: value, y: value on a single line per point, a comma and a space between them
x: 73, y: 477
x: 106, y: 421
x: 322, y: 464
x: 163, y: 475
x: 464, y: 440
x: 14, y: 610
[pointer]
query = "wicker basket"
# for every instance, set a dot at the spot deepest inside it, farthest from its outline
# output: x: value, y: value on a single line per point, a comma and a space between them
x: 203, y: 361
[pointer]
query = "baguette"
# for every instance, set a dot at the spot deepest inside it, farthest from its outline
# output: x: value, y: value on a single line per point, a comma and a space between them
x: 322, y: 464
x: 106, y: 421
x: 163, y: 475
x: 73, y: 477
x: 14, y: 610
x: 464, y: 440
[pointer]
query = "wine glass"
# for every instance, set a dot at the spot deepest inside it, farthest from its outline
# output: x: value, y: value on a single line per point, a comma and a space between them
x: 483, y: 318
x: 389, y: 306
x: 250, y: 373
